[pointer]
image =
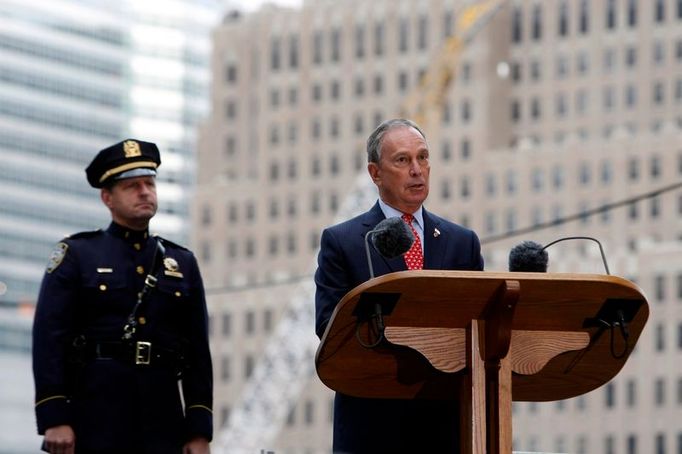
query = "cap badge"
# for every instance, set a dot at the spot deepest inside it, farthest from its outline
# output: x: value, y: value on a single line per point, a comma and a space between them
x: 131, y: 149
x: 172, y: 267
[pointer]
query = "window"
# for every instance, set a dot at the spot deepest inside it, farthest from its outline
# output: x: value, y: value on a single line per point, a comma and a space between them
x: 630, y: 96
x: 335, y: 45
x: 631, y: 393
x: 465, y: 149
x: 317, y: 47
x: 267, y: 321
x: 632, y: 13
x: 422, y: 32
x: 659, y: 392
x: 659, y: 287
x: 231, y: 73
x: 206, y: 215
x: 659, y: 53
x: 293, y: 51
x: 249, y: 322
x: 658, y: 93
x: 275, y: 57
x: 359, y: 41
x: 584, y: 17
x: 660, y: 338
x: 515, y: 111
x: 403, y: 80
x: 448, y: 24
x: 563, y: 18
x: 516, y: 25
x: 309, y: 412
x: 404, y: 35
x: 631, y: 444
x: 378, y: 39
x: 583, y: 63
x: 249, y: 364
x: 609, y: 445
x: 611, y: 14
x: 226, y: 328
x: 630, y: 57
x: 537, y: 23
x: 225, y: 368
x: 659, y: 11
x: 633, y: 169
x: 535, y: 111
x: 660, y: 443
x: 610, y: 395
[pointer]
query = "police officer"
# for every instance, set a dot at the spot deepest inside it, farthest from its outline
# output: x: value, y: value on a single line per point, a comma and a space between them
x: 121, y: 319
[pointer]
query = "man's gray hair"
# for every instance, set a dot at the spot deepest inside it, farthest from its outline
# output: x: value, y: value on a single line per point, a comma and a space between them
x: 374, y: 141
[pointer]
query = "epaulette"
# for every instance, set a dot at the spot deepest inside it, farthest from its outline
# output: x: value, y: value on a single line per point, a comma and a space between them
x: 87, y: 234
x: 169, y: 242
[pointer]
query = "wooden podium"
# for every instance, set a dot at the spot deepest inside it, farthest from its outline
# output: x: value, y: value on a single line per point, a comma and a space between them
x: 481, y: 339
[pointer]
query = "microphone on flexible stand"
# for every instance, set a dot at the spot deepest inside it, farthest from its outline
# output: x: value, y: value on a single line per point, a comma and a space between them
x: 391, y: 238
x: 530, y: 256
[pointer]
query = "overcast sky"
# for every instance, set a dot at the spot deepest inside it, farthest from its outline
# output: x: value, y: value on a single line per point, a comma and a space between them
x: 252, y: 5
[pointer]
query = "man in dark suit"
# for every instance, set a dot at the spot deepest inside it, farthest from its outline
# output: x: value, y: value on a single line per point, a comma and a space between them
x: 398, y: 163
x: 121, y: 319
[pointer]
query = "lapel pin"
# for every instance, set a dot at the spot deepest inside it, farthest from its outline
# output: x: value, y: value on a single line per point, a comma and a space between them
x: 436, y: 233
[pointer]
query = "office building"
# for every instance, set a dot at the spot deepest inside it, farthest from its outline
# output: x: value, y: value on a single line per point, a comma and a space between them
x: 562, y: 117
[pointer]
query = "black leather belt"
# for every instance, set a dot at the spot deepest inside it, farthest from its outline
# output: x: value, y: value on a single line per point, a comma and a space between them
x: 140, y: 353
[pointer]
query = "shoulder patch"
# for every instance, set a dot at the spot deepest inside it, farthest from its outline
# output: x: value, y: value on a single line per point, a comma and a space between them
x: 56, y: 257
x: 169, y: 243
x: 88, y: 234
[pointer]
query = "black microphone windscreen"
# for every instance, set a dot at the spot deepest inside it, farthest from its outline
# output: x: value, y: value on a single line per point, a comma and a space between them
x: 528, y: 256
x: 392, y: 237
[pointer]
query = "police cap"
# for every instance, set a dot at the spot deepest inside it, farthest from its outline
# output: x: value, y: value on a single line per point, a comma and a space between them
x: 127, y: 159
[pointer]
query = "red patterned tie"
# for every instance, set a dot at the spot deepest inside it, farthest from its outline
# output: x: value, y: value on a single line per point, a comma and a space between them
x: 414, y: 259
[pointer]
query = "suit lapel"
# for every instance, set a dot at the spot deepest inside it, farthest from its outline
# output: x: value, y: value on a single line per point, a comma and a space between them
x: 434, y: 242
x: 381, y: 264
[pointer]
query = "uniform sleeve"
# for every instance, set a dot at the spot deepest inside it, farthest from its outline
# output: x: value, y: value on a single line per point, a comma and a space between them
x: 332, y: 281
x: 52, y: 336
x: 197, y: 382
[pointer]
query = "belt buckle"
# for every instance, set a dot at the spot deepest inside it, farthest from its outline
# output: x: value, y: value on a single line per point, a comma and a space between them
x: 143, y: 352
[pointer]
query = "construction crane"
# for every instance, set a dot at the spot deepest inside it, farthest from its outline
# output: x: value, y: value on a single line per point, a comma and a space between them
x: 287, y: 363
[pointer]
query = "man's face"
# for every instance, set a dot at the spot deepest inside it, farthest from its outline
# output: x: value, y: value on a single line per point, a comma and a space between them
x: 402, y: 173
x: 132, y: 201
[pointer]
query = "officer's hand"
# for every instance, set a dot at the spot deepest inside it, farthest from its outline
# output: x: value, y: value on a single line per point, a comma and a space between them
x: 196, y: 446
x: 60, y: 440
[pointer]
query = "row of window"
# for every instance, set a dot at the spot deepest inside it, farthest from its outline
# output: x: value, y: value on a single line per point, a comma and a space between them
x: 494, y: 222
x: 609, y: 445
x: 64, y: 56
x: 562, y: 62
x: 253, y: 324
x: 609, y: 101
x: 44, y: 117
x: 247, y: 247
x: 584, y: 15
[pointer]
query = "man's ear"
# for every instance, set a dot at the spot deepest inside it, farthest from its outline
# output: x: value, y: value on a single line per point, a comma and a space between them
x: 374, y: 172
x: 105, y: 195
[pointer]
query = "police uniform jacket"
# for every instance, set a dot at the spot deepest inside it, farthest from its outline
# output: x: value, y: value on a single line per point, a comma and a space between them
x: 87, y: 377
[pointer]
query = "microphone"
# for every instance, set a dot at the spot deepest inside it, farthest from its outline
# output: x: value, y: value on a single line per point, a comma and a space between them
x: 528, y: 256
x: 391, y: 237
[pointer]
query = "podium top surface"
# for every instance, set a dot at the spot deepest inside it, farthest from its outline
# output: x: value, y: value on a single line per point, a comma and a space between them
x: 548, y: 302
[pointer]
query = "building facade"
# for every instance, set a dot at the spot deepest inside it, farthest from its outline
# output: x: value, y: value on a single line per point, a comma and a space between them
x: 76, y: 76
x: 79, y: 75
x: 561, y: 118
